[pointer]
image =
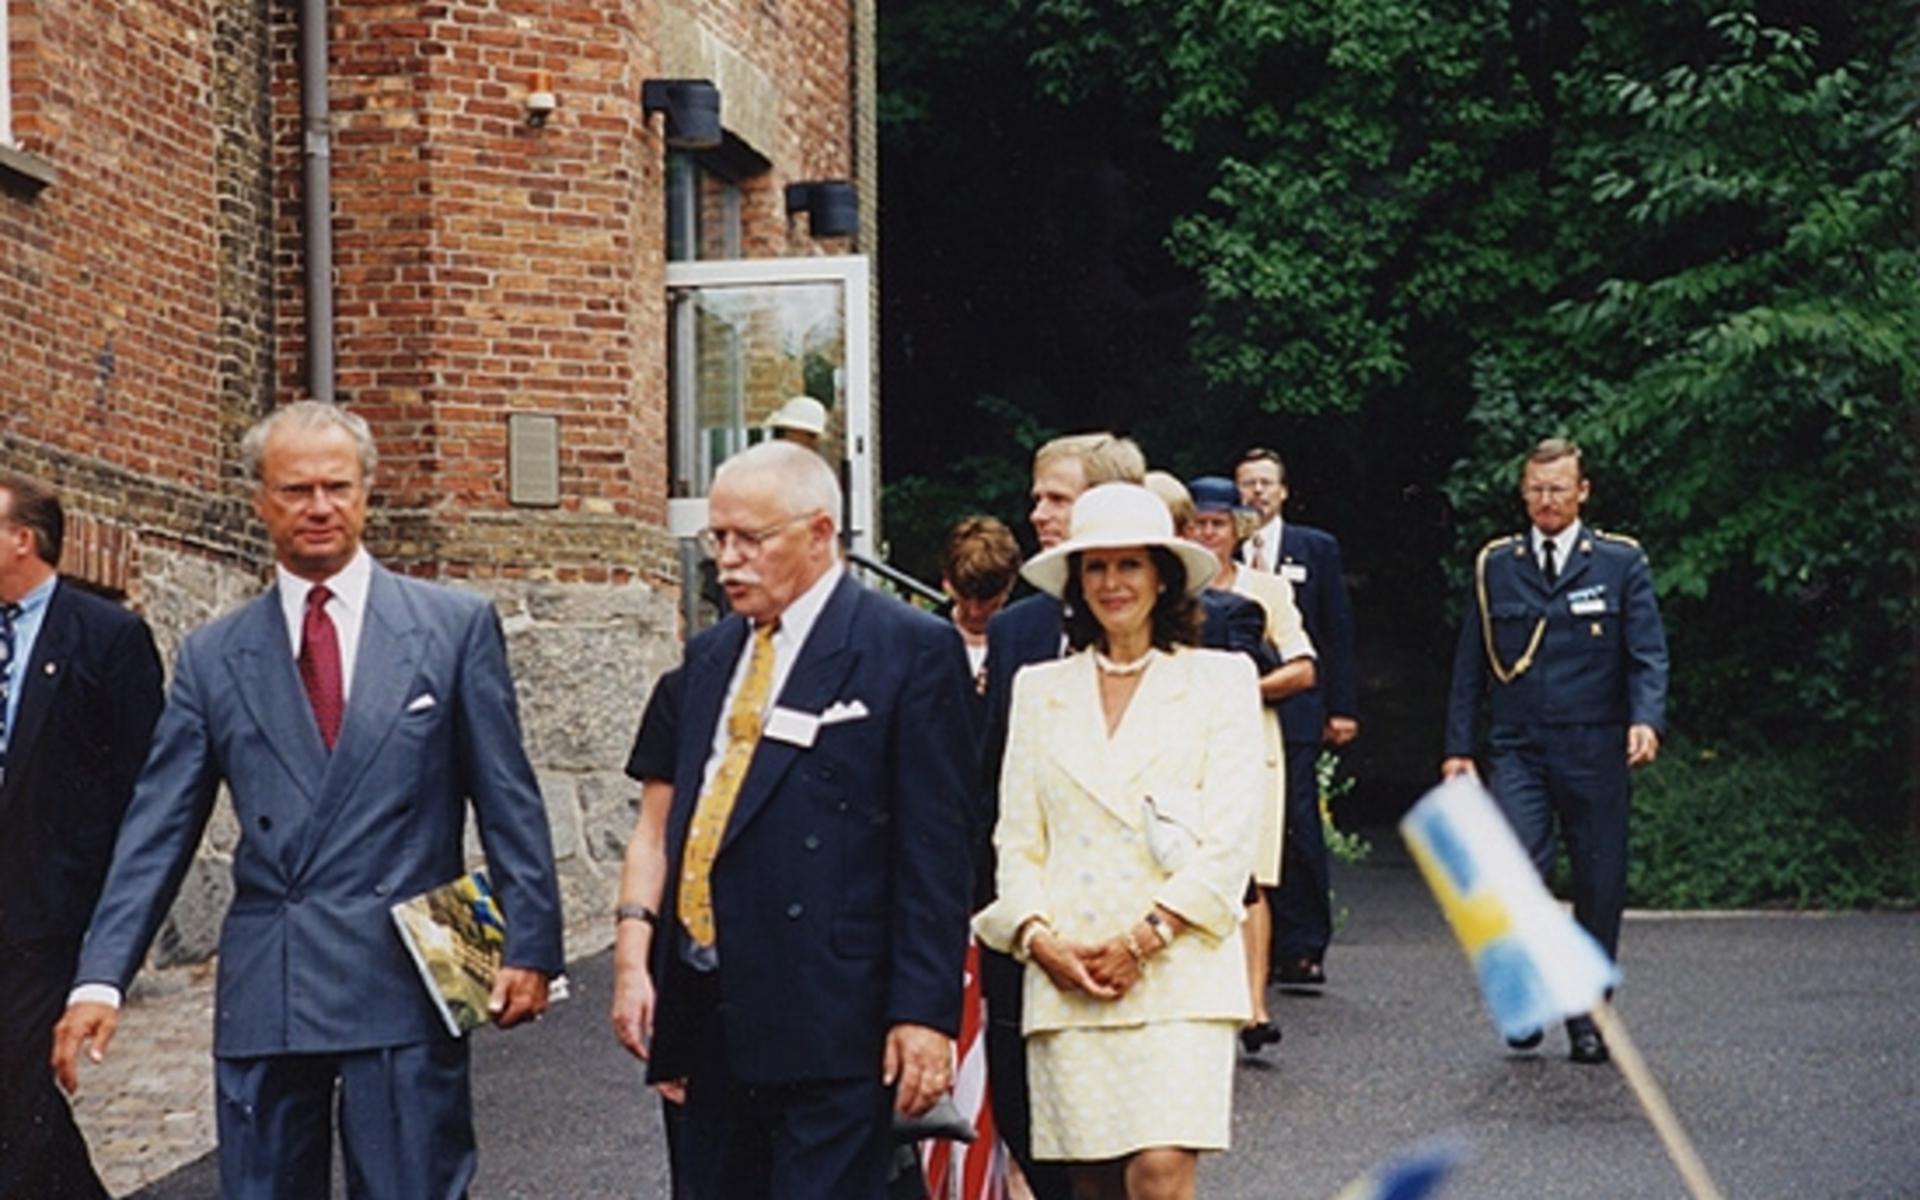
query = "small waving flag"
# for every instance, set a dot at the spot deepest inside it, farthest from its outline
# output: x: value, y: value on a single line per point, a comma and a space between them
x: 1536, y: 965
x: 1412, y: 1176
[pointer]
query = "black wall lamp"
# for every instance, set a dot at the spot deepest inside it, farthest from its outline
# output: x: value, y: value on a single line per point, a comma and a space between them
x: 831, y: 205
x: 692, y: 107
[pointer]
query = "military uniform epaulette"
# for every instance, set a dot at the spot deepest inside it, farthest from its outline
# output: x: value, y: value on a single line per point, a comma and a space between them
x: 1622, y: 538
x: 1498, y: 542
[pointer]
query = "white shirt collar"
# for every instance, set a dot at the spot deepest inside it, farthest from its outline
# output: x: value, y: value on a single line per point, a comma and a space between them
x: 347, y: 606
x: 1563, y: 543
x: 1268, y: 536
x: 349, y: 586
x: 796, y: 620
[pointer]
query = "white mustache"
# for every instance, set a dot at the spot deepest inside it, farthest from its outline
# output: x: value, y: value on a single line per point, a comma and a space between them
x: 743, y: 578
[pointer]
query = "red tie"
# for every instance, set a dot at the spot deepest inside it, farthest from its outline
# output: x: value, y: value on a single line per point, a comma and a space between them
x: 320, y: 665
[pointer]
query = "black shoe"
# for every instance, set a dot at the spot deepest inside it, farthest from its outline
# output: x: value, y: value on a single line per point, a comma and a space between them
x: 1254, y: 1038
x: 1585, y: 1043
x: 1301, y: 972
x: 1525, y: 1041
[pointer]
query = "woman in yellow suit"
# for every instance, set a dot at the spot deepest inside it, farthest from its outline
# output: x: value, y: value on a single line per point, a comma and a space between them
x: 1130, y: 800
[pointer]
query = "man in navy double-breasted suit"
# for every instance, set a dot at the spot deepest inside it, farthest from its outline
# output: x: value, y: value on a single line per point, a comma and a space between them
x: 1328, y: 712
x: 1562, y: 638
x: 79, y: 692
x: 808, y: 957
x: 352, y: 714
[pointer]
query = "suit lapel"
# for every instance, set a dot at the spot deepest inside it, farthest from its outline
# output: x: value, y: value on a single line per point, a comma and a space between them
x: 260, y: 660
x: 40, y: 682
x: 1074, y: 733
x: 825, y: 660
x: 1578, y: 559
x: 706, y: 690
x: 1152, y: 719
x: 384, y: 667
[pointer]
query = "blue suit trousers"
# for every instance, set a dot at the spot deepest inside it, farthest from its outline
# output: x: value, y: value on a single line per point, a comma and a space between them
x: 1577, y: 774
x: 406, y: 1123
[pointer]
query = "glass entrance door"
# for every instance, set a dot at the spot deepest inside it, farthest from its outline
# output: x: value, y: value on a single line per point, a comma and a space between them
x: 746, y: 336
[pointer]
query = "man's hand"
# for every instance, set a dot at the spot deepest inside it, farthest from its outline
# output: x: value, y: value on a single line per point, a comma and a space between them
x: 920, y: 1061
x: 1066, y: 965
x: 86, y: 1027
x: 1458, y: 764
x: 1339, y: 731
x: 519, y: 994
x: 1643, y: 745
x: 633, y: 995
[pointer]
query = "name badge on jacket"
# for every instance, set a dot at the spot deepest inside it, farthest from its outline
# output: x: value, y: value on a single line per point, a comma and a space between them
x: 1588, y: 601
x: 791, y: 726
x: 1293, y: 572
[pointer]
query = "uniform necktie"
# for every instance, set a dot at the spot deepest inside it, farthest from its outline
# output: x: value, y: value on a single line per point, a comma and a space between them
x: 716, y: 803
x: 1548, y: 567
x: 7, y: 614
x: 320, y: 665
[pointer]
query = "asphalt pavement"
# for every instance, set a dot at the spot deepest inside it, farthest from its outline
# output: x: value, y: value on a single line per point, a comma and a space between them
x: 1788, y: 1044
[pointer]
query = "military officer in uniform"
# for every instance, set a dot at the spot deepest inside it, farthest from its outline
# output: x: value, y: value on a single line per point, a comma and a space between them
x: 1563, y: 633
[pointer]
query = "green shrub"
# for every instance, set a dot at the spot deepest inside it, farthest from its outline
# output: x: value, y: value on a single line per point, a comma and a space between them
x: 1756, y: 829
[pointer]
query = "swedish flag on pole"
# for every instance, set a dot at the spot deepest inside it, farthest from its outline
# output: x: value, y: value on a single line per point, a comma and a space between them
x: 1536, y: 965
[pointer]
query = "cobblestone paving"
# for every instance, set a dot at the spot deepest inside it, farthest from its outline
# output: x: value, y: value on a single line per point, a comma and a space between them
x: 149, y: 1108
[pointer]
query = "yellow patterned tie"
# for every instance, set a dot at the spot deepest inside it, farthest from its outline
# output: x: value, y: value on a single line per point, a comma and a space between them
x: 716, y: 803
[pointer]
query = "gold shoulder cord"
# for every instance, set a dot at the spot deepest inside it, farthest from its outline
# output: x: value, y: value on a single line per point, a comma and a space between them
x: 1520, y: 665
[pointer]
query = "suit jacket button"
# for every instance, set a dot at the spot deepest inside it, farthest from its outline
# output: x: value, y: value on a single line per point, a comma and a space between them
x: 266, y: 823
x: 295, y: 896
x: 812, y: 841
x: 794, y: 911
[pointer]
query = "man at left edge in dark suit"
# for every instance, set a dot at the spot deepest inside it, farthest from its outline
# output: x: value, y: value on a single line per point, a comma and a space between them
x: 354, y: 715
x: 79, y: 693
x: 812, y: 935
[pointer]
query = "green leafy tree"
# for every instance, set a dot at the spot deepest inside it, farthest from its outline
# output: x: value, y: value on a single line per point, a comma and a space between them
x: 1744, y: 369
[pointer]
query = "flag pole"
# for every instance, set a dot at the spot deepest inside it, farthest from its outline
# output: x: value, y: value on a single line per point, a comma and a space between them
x: 1647, y: 1090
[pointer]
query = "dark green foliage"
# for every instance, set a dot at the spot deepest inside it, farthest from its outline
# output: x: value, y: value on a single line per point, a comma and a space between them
x: 1756, y: 829
x: 1407, y: 239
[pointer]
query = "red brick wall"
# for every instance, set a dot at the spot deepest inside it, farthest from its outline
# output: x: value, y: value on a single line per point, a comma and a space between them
x: 107, y: 277
x: 151, y: 298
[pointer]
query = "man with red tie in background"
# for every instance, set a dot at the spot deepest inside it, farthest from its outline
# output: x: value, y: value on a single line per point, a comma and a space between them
x: 1328, y: 712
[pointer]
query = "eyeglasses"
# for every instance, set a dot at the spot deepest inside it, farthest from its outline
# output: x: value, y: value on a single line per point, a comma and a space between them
x: 749, y: 542
x: 1547, y: 491
x: 294, y: 495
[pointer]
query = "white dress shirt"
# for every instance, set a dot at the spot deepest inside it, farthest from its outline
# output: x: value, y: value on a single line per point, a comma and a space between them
x: 1265, y: 556
x: 347, y: 606
x: 1563, y: 544
x: 796, y: 622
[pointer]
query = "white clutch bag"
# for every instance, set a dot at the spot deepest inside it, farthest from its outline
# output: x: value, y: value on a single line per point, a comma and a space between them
x: 1173, y: 828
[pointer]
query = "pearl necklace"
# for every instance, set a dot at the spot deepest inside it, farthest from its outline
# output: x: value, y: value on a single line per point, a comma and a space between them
x: 1109, y: 667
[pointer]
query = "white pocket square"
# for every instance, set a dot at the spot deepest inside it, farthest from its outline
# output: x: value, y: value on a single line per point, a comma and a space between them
x: 843, y: 710
x: 421, y: 703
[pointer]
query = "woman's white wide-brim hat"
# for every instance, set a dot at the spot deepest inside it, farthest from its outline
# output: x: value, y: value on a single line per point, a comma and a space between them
x: 1112, y: 516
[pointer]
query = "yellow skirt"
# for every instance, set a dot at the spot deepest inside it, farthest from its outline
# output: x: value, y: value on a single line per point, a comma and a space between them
x: 1104, y: 1092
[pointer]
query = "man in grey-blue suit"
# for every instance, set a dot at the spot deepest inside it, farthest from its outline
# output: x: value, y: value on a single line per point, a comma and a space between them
x: 352, y: 714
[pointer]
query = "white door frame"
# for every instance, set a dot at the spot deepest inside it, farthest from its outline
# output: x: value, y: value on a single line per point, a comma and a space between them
x: 852, y: 272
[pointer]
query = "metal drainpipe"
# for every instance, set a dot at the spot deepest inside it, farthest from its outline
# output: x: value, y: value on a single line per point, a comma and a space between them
x: 317, y: 225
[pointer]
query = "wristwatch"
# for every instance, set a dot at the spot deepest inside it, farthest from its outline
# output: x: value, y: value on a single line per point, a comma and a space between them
x: 635, y: 912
